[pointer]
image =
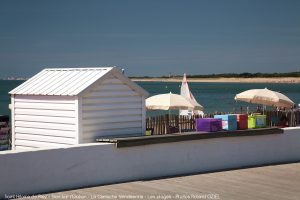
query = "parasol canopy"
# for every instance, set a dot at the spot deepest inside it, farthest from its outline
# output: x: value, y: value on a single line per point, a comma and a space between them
x: 168, y: 101
x: 265, y: 97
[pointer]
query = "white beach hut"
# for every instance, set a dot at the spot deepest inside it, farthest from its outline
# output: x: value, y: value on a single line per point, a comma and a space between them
x: 67, y: 106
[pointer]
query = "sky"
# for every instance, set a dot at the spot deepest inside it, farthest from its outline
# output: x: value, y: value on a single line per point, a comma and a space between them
x: 150, y: 38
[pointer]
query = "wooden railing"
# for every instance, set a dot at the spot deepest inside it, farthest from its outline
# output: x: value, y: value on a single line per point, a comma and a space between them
x: 165, y: 124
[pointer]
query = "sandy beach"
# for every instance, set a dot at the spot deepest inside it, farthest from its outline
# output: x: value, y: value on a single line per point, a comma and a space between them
x: 292, y: 80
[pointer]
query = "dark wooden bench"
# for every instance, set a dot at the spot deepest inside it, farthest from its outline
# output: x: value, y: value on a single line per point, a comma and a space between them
x: 137, y: 140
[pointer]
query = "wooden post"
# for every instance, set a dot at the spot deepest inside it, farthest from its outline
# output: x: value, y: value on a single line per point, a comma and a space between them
x: 167, y: 124
x: 157, y: 125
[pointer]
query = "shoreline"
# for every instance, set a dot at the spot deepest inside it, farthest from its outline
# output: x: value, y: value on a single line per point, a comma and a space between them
x: 290, y: 80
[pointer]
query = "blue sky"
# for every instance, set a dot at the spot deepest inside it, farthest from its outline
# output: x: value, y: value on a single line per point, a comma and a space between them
x: 150, y: 38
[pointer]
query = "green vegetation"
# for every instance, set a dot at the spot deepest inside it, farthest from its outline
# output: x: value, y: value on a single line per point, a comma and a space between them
x: 234, y: 75
x: 248, y: 75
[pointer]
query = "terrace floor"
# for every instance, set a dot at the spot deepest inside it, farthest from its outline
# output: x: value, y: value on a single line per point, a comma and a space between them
x: 268, y: 182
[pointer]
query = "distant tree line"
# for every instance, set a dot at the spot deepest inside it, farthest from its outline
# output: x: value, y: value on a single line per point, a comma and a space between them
x: 248, y: 75
x: 234, y: 75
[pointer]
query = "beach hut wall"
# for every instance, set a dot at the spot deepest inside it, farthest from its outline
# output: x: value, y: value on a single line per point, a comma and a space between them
x: 67, y: 106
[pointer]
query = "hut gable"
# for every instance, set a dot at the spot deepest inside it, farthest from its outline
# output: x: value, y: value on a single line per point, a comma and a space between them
x: 111, y: 107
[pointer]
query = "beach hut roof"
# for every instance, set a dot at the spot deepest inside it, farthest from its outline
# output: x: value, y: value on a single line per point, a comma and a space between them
x: 71, y: 81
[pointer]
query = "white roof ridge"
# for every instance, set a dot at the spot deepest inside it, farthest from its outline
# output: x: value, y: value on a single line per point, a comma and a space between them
x: 78, y: 69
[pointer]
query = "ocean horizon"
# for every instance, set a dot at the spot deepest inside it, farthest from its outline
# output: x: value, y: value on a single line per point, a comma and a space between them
x: 214, y: 97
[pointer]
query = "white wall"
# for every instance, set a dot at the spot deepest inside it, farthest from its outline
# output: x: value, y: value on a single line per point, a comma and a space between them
x: 111, y: 108
x: 92, y: 164
x: 43, y: 121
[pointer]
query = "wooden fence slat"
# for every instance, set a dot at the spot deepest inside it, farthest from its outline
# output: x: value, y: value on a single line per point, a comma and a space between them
x: 163, y: 124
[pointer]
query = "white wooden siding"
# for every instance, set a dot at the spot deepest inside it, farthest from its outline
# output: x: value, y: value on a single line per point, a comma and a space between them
x: 44, y: 121
x: 39, y: 112
x: 22, y: 144
x: 49, y: 132
x: 78, y: 119
x: 94, y: 114
x: 13, y: 122
x: 44, y: 138
x: 47, y: 119
x: 111, y: 126
x: 45, y: 106
x: 114, y: 119
x: 111, y: 108
x: 112, y: 94
x: 143, y: 115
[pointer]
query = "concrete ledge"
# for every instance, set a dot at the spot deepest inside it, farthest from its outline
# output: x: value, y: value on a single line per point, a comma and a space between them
x: 179, y: 137
x: 46, y: 170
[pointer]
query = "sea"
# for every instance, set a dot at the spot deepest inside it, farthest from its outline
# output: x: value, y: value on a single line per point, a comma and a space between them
x: 214, y: 97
